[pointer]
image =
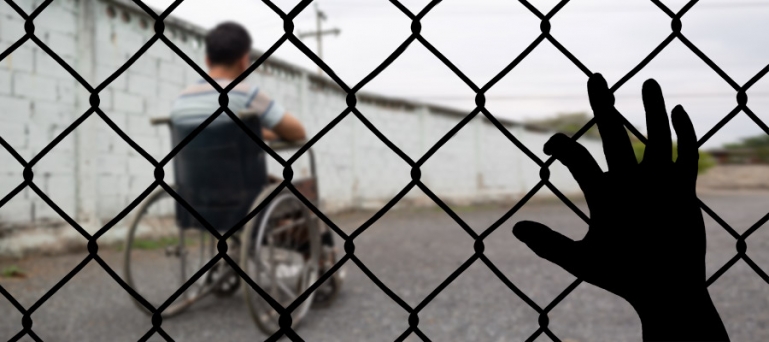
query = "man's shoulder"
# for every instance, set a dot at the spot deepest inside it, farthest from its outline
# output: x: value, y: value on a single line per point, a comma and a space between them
x: 203, y: 87
x: 197, y: 88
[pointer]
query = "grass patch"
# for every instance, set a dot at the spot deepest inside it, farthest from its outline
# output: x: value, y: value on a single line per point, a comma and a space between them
x: 149, y: 244
x: 13, y: 271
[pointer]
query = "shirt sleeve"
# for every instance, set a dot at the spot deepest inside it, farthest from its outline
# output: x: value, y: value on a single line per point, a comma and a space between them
x: 270, y: 112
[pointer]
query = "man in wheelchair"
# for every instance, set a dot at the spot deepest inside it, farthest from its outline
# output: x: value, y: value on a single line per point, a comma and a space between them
x: 222, y: 170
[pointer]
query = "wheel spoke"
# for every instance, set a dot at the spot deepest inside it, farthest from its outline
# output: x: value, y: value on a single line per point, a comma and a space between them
x: 286, y: 290
x: 281, y: 251
x: 287, y: 226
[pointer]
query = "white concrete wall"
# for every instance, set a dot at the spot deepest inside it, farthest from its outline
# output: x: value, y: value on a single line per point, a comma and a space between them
x: 93, y: 174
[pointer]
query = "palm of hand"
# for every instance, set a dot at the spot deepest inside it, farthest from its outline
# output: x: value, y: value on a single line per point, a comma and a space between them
x: 646, y: 229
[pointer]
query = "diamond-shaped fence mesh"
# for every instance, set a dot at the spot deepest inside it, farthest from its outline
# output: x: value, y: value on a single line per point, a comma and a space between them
x: 349, y: 239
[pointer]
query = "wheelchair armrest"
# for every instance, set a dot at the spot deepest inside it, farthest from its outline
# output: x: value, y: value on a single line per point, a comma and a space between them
x: 161, y: 120
x: 278, y: 145
x: 165, y: 120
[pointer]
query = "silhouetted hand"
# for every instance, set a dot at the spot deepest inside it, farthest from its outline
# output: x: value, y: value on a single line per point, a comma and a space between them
x: 646, y: 241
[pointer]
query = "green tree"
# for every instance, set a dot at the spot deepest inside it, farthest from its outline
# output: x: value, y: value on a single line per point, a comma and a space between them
x: 759, y: 141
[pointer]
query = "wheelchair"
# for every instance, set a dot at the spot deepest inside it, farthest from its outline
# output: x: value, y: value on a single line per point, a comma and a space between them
x: 222, y: 174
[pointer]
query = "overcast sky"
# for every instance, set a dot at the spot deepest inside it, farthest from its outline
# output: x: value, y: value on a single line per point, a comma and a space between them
x: 482, y: 36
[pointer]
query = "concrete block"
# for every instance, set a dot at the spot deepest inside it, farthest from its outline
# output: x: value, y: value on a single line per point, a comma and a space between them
x: 172, y: 72
x: 60, y: 160
x: 110, y: 206
x: 5, y: 82
x: 129, y: 103
x: 7, y: 11
x: 138, y: 183
x: 42, y: 213
x: 169, y: 91
x: 10, y: 170
x: 104, y: 32
x: 11, y: 29
x: 51, y: 113
x: 111, y: 164
x: 140, y: 126
x: 129, y: 41
x: 21, y: 59
x: 65, y: 89
x: 16, y: 211
x: 64, y: 44
x: 15, y: 134
x: 108, y: 54
x: 160, y: 106
x: 150, y: 144
x: 15, y: 109
x: 142, y: 85
x: 60, y: 189
x: 119, y: 118
x: 114, y: 185
x: 69, y: 5
x: 34, y: 87
x: 160, y: 51
x: 103, y: 72
x: 106, y: 102
x: 56, y: 18
x: 138, y: 166
x: 45, y: 65
x: 192, y: 76
x: 145, y: 65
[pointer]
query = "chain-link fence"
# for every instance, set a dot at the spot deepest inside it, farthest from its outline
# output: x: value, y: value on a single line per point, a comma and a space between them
x: 349, y: 239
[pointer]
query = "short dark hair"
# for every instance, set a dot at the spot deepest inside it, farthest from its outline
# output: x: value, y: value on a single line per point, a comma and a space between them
x: 226, y: 43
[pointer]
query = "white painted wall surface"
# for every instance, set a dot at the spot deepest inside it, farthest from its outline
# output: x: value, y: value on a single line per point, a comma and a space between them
x: 92, y: 174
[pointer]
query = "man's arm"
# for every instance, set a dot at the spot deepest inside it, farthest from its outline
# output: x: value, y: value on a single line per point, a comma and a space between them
x: 288, y: 128
x: 277, y: 123
x: 268, y: 135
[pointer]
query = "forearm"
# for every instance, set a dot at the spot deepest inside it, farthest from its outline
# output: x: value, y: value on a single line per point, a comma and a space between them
x: 268, y: 135
x: 687, y: 317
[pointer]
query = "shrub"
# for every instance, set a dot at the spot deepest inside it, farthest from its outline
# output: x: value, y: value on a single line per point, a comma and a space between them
x: 705, y: 161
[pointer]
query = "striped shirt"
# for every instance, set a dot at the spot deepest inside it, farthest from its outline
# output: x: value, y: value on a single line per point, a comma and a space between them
x: 200, y: 100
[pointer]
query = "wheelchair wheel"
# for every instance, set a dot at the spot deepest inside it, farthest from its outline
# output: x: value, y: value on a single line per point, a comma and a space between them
x: 329, y: 290
x: 160, y: 257
x: 282, y: 256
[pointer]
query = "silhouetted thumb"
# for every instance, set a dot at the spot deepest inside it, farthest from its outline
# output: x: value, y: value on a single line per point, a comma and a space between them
x: 547, y: 243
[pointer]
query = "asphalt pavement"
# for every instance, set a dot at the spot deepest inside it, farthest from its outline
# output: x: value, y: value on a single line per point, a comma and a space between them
x: 412, y: 250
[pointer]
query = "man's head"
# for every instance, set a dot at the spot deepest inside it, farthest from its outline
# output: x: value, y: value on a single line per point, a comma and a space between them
x: 227, y: 47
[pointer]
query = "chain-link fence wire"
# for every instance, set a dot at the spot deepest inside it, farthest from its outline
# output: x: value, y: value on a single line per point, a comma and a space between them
x: 349, y: 244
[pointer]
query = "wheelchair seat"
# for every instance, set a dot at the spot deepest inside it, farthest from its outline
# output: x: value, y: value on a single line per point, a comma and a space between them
x: 219, y: 173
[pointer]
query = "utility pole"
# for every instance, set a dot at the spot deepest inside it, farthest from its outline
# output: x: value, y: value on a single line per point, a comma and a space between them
x: 319, y: 32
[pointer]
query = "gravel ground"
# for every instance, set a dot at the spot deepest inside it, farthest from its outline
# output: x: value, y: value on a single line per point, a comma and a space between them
x: 412, y: 251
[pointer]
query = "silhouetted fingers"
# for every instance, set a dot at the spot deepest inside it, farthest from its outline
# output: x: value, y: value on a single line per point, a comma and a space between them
x: 576, y: 158
x: 687, y: 140
x: 548, y: 244
x: 659, y: 148
x: 616, y: 143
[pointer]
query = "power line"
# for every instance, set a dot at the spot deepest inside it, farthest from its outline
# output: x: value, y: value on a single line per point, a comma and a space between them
x: 576, y: 96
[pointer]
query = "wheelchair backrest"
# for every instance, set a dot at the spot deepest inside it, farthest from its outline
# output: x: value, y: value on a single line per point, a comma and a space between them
x: 220, y: 172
